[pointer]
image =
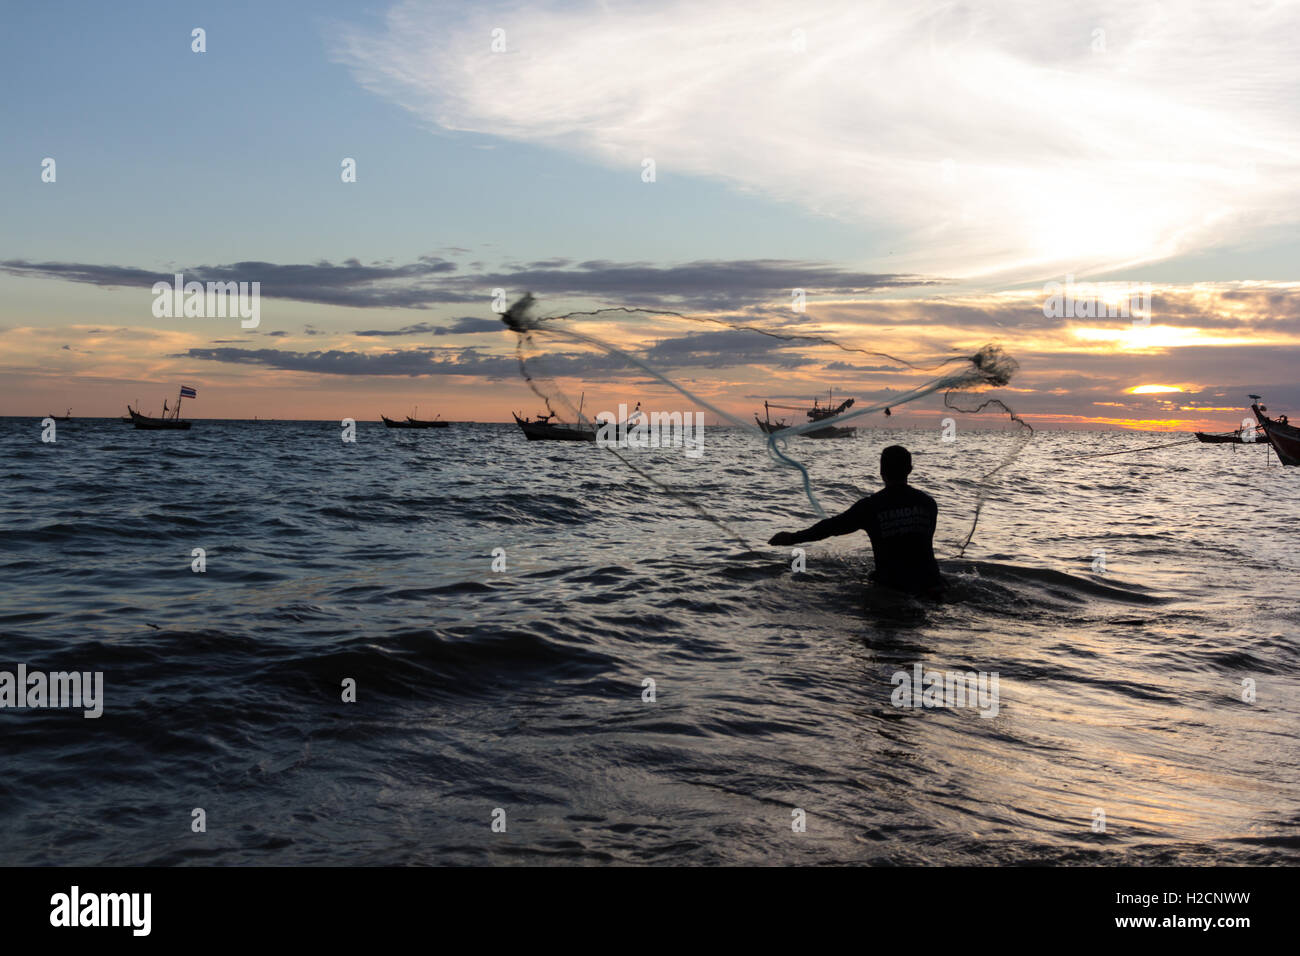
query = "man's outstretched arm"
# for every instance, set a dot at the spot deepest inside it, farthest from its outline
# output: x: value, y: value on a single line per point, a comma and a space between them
x: 841, y: 524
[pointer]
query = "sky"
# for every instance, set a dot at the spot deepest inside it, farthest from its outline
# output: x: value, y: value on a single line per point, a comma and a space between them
x: 930, y: 174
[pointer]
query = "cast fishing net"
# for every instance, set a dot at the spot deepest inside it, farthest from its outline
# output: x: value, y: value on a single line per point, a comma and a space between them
x: 669, y: 347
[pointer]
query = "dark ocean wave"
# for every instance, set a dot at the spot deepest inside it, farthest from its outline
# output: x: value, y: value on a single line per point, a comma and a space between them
x: 539, y: 629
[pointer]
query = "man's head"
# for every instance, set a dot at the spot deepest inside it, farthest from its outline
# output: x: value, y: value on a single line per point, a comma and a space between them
x: 895, y: 465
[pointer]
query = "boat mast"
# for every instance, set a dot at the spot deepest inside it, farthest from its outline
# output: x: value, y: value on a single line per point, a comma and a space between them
x: 179, y: 397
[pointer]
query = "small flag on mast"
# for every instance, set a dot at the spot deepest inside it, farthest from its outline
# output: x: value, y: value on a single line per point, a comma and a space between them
x: 187, y: 392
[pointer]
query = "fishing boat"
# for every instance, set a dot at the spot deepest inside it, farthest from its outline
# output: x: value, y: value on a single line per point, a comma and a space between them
x: 412, y: 422
x: 434, y: 422
x: 394, y: 423
x: 542, y: 428
x: 817, y: 413
x: 766, y: 422
x: 174, y: 421
x: 63, y: 418
x: 156, y: 424
x: 1282, y: 435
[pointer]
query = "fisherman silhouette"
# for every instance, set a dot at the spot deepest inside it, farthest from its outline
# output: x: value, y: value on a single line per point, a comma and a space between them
x: 900, y: 521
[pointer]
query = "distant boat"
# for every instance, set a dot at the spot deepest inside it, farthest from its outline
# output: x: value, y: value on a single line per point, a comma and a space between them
x: 817, y: 413
x: 63, y: 418
x: 543, y: 429
x: 425, y: 423
x: 412, y: 422
x: 165, y: 423
x: 394, y: 423
x: 1284, y: 437
x: 155, y: 424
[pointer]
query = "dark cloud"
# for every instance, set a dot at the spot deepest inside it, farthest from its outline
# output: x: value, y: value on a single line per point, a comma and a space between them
x: 723, y: 349
x: 420, y: 328
x: 716, y: 349
x: 463, y: 325
x: 702, y: 284
x: 415, y: 362
x: 850, y: 367
x: 350, y: 283
x: 410, y: 362
x: 431, y: 281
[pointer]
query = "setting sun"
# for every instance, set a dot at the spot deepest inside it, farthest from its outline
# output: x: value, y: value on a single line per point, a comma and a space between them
x: 1152, y: 389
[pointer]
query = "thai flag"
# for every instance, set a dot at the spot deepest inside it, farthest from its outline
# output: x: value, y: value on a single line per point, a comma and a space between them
x: 187, y: 392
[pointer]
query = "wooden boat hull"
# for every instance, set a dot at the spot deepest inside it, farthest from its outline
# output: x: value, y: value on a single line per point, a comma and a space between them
x: 417, y: 423
x: 1261, y: 438
x: 390, y: 423
x: 1285, y: 439
x: 157, y: 424
x: 830, y: 431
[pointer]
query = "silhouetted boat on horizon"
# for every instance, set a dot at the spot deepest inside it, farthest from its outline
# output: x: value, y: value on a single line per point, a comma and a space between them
x: 155, y: 424
x: 426, y: 423
x: 412, y: 422
x: 165, y: 423
x: 817, y: 413
x: 543, y: 429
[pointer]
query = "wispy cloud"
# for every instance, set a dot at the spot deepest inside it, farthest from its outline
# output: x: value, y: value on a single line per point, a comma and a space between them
x: 1010, y: 138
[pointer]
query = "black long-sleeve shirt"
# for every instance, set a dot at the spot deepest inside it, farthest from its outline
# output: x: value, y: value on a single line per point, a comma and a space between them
x: 900, y: 521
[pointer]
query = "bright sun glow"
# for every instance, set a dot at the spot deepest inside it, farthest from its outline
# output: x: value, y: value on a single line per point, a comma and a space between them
x: 1159, y: 337
x: 1152, y: 389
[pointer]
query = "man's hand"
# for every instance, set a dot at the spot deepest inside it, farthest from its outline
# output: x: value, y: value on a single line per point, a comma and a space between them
x: 782, y: 538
